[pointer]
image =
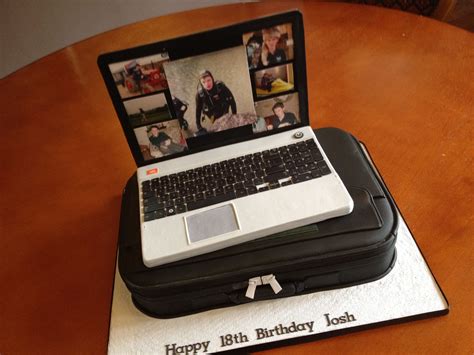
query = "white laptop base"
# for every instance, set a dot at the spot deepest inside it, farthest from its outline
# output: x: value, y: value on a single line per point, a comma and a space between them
x: 246, y: 218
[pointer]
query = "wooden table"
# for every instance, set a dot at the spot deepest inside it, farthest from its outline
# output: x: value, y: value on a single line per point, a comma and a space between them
x: 403, y: 84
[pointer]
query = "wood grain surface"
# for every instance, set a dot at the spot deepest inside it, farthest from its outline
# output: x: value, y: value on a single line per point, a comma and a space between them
x: 403, y: 84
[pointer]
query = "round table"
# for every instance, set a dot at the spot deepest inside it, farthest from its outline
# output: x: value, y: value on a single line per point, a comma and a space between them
x: 403, y: 84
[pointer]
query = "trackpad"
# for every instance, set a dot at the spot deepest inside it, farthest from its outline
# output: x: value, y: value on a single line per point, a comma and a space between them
x: 211, y: 223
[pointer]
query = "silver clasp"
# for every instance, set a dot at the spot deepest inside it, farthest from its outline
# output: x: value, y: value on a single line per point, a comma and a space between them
x: 262, y: 280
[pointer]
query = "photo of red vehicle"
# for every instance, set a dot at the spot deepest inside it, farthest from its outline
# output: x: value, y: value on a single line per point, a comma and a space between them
x: 140, y: 76
x: 144, y: 81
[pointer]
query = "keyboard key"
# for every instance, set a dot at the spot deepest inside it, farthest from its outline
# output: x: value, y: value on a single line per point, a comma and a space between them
x: 210, y: 201
x: 154, y: 215
x: 293, y: 172
x: 149, y: 216
x: 299, y: 162
x: 251, y: 190
x: 305, y: 155
x: 170, y: 211
x: 276, y: 176
x: 308, y: 160
x: 148, y: 194
x: 292, y: 149
x: 170, y: 188
x: 274, y: 161
x: 323, y: 168
x: 168, y: 204
x: 249, y: 175
x: 302, y: 177
x: 154, y: 207
x: 316, y: 173
x: 248, y: 183
x: 160, y: 214
x: 150, y: 201
x: 302, y: 147
x: 316, y: 154
x: 275, y: 169
x: 241, y: 192
x: 259, y: 173
x: 199, y: 196
x: 189, y: 198
x: 180, y: 208
x: 263, y: 188
x: 239, y: 186
x: 211, y: 185
x: 301, y: 169
x: 146, y: 188
x: 220, y: 182
x: 274, y: 185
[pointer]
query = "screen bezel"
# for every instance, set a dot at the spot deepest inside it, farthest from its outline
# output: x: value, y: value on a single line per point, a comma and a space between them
x: 217, y: 39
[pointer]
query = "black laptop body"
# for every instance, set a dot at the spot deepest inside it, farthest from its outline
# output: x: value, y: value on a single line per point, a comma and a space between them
x: 336, y: 253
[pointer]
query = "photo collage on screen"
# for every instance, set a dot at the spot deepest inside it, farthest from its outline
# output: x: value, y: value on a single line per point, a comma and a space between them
x: 142, y: 86
x: 170, y: 101
x: 270, y: 57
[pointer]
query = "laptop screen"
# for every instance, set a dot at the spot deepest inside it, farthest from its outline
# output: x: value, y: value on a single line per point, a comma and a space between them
x: 210, y: 89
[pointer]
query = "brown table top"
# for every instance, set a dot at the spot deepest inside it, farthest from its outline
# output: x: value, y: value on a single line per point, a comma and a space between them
x: 403, y: 84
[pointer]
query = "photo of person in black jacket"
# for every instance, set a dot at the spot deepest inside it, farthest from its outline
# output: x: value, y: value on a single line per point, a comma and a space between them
x: 281, y: 118
x: 215, y: 89
x: 213, y: 99
x: 278, y: 112
x: 161, y: 140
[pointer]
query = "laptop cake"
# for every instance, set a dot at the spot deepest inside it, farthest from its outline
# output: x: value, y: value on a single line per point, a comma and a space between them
x: 218, y: 125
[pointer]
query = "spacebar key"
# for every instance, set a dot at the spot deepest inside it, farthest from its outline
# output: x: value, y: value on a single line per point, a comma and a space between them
x: 194, y: 205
